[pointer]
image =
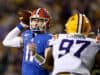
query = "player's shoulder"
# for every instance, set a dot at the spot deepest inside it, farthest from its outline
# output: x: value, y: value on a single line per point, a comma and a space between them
x: 91, y: 39
x: 64, y: 35
x: 57, y: 36
x: 48, y: 34
x: 45, y: 35
x: 27, y: 33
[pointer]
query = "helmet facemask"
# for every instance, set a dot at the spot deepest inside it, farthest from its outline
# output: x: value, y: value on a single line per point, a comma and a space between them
x: 39, y: 20
x: 38, y: 24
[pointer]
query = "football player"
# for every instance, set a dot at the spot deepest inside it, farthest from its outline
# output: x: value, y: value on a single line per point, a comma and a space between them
x: 37, y: 34
x: 73, y: 53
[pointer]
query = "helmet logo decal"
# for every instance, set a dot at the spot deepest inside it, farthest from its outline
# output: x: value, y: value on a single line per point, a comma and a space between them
x: 79, y: 25
x: 37, y: 12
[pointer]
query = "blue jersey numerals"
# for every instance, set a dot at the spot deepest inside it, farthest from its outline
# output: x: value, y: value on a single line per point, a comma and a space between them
x: 67, y: 45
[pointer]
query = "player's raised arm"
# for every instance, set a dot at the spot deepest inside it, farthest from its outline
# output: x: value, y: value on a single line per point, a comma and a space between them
x: 13, y: 39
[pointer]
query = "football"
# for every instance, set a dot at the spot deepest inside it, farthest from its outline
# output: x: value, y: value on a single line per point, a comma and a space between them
x: 24, y: 16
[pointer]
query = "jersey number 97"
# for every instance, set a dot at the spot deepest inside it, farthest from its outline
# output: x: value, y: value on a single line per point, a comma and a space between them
x: 81, y: 43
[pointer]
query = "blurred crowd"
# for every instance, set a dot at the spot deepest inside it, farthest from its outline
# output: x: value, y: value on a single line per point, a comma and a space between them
x: 60, y: 10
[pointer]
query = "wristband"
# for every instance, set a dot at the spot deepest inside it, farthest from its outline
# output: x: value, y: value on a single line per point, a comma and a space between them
x: 39, y: 59
x: 20, y: 27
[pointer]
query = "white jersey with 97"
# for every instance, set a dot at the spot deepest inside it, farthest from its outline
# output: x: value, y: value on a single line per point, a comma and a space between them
x: 73, y: 53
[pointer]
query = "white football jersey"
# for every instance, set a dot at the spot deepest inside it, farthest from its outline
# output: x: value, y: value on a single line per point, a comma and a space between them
x: 73, y: 53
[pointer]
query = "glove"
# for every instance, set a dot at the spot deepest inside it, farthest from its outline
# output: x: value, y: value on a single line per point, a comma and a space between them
x: 24, y: 16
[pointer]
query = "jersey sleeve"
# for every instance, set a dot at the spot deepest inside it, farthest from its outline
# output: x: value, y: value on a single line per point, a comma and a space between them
x: 12, y: 39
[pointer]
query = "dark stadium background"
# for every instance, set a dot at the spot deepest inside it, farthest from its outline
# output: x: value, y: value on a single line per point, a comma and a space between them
x: 10, y: 58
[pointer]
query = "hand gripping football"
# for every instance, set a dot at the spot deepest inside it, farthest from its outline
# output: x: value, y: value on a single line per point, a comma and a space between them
x: 24, y: 16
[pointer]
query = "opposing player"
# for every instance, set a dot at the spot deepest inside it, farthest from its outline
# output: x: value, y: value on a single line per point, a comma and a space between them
x: 37, y: 34
x: 73, y: 53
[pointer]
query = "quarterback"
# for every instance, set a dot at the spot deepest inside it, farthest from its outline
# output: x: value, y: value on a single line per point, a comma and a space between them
x: 36, y: 34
